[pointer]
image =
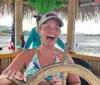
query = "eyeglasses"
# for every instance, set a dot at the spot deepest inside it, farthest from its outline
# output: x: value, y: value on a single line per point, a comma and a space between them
x: 47, y: 27
x: 50, y: 14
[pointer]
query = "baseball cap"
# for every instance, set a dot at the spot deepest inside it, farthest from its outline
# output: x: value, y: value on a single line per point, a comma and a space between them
x: 48, y: 16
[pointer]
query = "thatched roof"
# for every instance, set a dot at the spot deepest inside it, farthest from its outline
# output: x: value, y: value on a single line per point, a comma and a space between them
x: 87, y: 10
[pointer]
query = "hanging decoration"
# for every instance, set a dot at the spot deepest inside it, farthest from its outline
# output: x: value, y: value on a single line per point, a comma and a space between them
x: 12, y: 42
x: 44, y: 6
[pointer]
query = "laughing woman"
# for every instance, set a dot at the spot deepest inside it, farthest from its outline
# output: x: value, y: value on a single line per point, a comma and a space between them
x: 34, y: 59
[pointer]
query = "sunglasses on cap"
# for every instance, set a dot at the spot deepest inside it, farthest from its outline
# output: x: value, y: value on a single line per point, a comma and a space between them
x: 38, y: 17
x: 50, y: 14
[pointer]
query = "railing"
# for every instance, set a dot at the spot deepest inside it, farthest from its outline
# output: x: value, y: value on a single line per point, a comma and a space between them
x: 5, y: 60
x: 94, y: 61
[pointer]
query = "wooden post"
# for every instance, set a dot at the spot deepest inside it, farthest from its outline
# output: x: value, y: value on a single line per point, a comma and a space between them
x: 18, y: 24
x: 71, y: 23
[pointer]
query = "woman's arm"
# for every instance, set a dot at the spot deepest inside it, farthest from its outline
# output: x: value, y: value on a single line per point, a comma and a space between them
x: 72, y: 78
x: 13, y: 70
x: 19, y: 61
x: 7, y: 76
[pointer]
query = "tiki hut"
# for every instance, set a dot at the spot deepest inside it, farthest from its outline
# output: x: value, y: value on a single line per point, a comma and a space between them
x: 85, y: 9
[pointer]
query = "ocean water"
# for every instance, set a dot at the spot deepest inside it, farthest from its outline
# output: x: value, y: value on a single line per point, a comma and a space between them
x: 83, y: 44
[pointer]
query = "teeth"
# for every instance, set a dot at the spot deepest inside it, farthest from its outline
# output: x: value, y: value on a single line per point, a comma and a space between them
x: 50, y: 35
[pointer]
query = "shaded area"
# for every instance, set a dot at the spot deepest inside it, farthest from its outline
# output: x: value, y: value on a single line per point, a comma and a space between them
x: 85, y: 10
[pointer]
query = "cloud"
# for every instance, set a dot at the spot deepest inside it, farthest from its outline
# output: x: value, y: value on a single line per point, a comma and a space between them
x: 88, y: 27
x: 6, y: 21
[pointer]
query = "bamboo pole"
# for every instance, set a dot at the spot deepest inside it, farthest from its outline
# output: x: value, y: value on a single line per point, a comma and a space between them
x: 18, y: 24
x: 70, y: 34
x: 71, y: 23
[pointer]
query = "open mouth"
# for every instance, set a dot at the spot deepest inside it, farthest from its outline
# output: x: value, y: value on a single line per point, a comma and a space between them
x: 50, y: 37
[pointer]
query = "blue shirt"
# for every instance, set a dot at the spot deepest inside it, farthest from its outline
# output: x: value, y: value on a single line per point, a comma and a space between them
x: 34, y: 39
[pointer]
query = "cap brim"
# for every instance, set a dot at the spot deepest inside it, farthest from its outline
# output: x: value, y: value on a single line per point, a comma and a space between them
x: 58, y: 20
x: 55, y: 18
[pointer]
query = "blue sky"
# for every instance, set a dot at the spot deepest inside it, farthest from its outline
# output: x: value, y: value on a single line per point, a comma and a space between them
x: 90, y: 27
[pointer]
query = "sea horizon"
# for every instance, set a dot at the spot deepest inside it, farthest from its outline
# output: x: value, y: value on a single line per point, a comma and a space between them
x: 84, y: 44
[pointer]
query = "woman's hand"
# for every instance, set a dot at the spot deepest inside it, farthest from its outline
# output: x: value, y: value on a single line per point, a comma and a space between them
x: 56, y: 80
x: 8, y: 75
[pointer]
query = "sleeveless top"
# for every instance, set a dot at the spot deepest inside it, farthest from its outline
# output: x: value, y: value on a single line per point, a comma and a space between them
x: 34, y: 66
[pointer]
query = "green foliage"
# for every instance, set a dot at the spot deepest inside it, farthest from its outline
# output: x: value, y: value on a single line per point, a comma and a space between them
x: 44, y: 6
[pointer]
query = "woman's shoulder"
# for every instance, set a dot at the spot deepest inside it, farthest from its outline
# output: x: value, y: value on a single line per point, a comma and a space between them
x: 28, y: 51
x: 27, y: 55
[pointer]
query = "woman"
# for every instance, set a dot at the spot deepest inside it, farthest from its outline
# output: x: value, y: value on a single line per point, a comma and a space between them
x: 46, y: 54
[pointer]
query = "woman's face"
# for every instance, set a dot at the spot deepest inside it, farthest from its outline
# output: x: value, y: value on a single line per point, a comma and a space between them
x: 49, y: 32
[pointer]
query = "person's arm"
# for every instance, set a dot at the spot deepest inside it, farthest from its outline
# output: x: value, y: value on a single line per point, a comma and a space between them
x: 30, y: 39
x: 72, y: 78
x: 60, y: 43
x: 13, y: 70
